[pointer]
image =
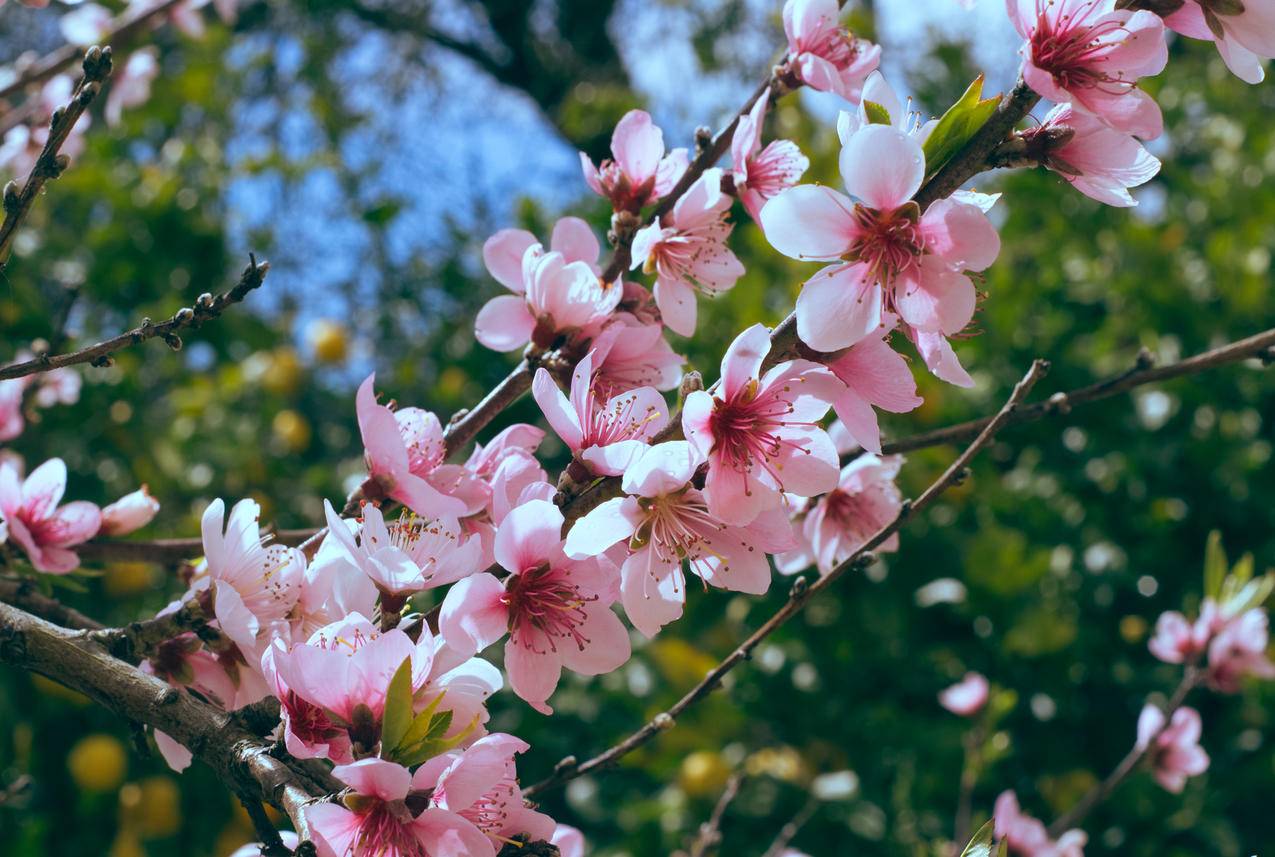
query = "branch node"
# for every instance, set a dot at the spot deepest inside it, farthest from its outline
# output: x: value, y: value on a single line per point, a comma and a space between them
x: 1060, y: 403
x: 1145, y: 359
x: 663, y: 721
x: 799, y: 588
x: 567, y: 763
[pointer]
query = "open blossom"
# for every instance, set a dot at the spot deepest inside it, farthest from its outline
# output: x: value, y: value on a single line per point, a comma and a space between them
x: 1177, y: 640
x: 967, y: 697
x: 403, y: 450
x: 608, y: 436
x: 556, y: 610
x: 1239, y: 650
x: 11, y: 419
x: 630, y: 353
x: 1173, y: 747
x: 1095, y: 159
x: 128, y: 513
x: 1090, y: 53
x: 759, y: 433
x: 823, y: 53
x: 30, y: 513
x: 555, y: 293
x: 640, y: 172
x: 875, y: 376
x: 891, y: 257
x: 840, y: 522
x: 1243, y: 31
x: 388, y: 814
x: 1027, y: 837
x: 666, y: 520
x: 761, y: 173
x: 687, y: 250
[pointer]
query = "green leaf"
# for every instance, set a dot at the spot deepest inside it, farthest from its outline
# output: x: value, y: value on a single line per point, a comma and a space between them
x: 957, y: 126
x: 1215, y: 567
x: 877, y: 114
x: 981, y: 844
x: 398, y: 709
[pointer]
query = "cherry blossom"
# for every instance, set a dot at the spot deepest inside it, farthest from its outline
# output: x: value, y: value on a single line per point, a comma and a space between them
x: 824, y: 55
x: 33, y: 519
x: 666, y: 521
x: 687, y: 251
x: 11, y: 420
x: 556, y: 610
x: 129, y: 513
x: 630, y: 353
x: 758, y: 173
x: 875, y: 376
x: 555, y: 293
x: 1091, y: 54
x: 1173, y: 747
x: 1177, y: 640
x: 1095, y: 159
x: 760, y: 433
x: 1239, y: 650
x: 967, y: 697
x: 606, y: 438
x: 1026, y: 836
x: 1244, y: 32
x: 640, y: 172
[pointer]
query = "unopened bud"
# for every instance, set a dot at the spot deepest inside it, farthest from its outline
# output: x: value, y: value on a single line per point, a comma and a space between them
x: 130, y: 512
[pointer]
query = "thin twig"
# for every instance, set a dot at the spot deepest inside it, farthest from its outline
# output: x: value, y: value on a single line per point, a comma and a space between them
x: 206, y: 307
x: 710, y: 832
x: 791, y: 829
x: 23, y: 593
x: 50, y: 163
x: 801, y: 593
x: 271, y: 842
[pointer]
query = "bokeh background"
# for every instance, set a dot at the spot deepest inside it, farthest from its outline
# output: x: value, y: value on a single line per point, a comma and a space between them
x: 367, y: 148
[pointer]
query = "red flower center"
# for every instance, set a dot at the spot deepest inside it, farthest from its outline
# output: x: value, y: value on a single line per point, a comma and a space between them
x: 545, y: 607
x: 1071, y: 48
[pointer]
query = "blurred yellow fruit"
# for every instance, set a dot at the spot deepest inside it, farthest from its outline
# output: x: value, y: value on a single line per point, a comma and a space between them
x: 49, y: 687
x: 292, y: 430
x: 152, y: 807
x: 681, y: 663
x: 782, y: 763
x: 452, y: 381
x: 329, y: 340
x: 98, y: 763
x: 283, y: 373
x: 128, y: 578
x: 1133, y: 628
x: 703, y: 773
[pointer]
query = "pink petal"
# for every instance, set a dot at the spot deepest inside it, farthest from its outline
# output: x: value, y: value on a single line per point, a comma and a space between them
x: 502, y: 254
x: 532, y: 676
x: 961, y: 235
x: 838, y: 306
x: 376, y: 777
x: 652, y: 592
x: 662, y: 469
x: 742, y: 361
x: 574, y: 239
x: 557, y: 409
x: 882, y: 166
x: 609, y: 523
x: 676, y: 301
x: 504, y: 323
x: 809, y: 222
x: 473, y: 615
x: 941, y: 300
x: 529, y: 535
x: 71, y: 524
x: 43, y: 489
x: 638, y: 145
x: 608, y: 647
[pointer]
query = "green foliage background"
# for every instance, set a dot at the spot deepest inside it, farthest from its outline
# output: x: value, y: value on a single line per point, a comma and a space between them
x: 1071, y: 537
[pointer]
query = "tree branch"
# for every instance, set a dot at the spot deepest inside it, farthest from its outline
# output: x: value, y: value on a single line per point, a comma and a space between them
x: 23, y: 593
x: 710, y: 832
x: 206, y: 308
x: 801, y: 593
x: 791, y: 829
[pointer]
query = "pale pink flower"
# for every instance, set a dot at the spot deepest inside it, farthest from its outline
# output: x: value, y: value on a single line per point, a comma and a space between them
x: 480, y: 784
x: 1095, y: 159
x: 33, y: 519
x: 403, y: 449
x: 1173, y: 747
x: 11, y: 419
x: 555, y: 294
x: 1092, y: 54
x: 761, y: 435
x: 840, y: 522
x: 687, y: 251
x: 875, y: 376
x: 1244, y: 32
x: 640, y: 172
x: 824, y: 55
x: 630, y: 353
x: 967, y: 697
x: 87, y: 25
x: 900, y: 261
x: 666, y: 520
x: 1026, y: 836
x: 58, y: 387
x: 129, y: 513
x: 557, y: 611
x: 388, y: 814
x: 333, y: 588
x: 1239, y: 650
x: 1177, y: 640
x: 223, y: 676
x: 758, y: 173
x: 604, y: 437
x: 131, y: 86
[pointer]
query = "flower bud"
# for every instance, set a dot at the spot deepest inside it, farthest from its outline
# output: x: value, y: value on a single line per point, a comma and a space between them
x: 130, y: 512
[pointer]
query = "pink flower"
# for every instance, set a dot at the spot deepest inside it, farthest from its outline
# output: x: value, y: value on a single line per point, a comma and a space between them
x: 666, y: 520
x: 480, y: 784
x: 687, y: 250
x: 1099, y: 161
x: 1027, y: 836
x: 58, y: 387
x: 875, y: 375
x: 1239, y: 650
x: 640, y: 173
x: 1091, y: 54
x: 761, y: 435
x: 1177, y: 641
x: 11, y: 420
x: 557, y: 610
x: 842, y: 521
x: 967, y: 697
x: 760, y: 175
x: 899, y: 260
x: 403, y: 449
x: 1244, y: 32
x: 389, y: 814
x: 1174, y: 748
x: 606, y: 438
x: 631, y: 354
x: 825, y: 55
x: 29, y: 511
x: 248, y: 585
x: 570, y: 841
x: 129, y: 513
x: 87, y: 25
x: 131, y: 86
x: 555, y: 293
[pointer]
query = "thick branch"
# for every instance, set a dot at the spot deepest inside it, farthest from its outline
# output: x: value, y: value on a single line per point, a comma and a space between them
x: 207, y: 307
x: 801, y: 593
x: 137, y: 639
